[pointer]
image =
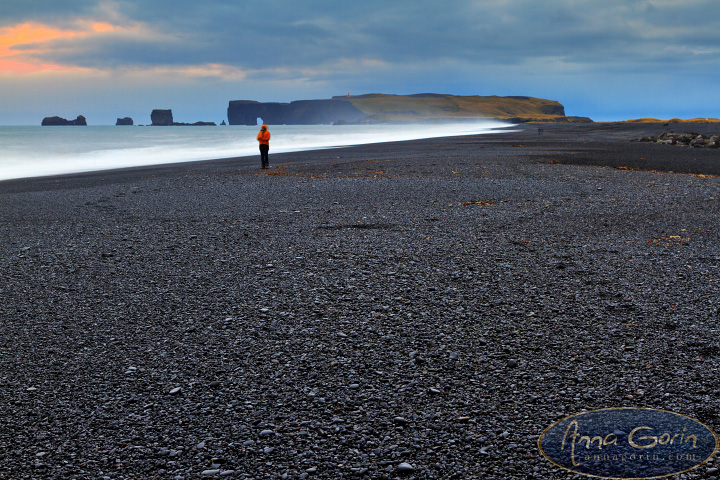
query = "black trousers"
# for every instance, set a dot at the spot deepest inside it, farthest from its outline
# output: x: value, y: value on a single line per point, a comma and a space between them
x: 264, y: 160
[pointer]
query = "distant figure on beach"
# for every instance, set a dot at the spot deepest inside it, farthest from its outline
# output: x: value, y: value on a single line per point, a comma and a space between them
x: 263, y: 137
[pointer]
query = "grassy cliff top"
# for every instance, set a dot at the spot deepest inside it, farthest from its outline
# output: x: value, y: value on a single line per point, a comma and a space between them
x: 428, y: 106
x: 673, y: 120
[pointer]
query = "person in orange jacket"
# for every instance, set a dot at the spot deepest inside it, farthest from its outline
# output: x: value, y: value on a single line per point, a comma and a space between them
x: 263, y: 137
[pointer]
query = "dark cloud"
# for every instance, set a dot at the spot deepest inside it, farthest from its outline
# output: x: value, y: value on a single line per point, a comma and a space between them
x: 45, y: 11
x: 289, y: 34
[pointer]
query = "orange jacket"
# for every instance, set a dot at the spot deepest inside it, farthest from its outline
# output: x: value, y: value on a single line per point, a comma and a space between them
x: 264, y: 136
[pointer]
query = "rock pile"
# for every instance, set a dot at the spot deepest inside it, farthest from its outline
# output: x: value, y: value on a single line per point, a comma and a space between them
x: 684, y: 140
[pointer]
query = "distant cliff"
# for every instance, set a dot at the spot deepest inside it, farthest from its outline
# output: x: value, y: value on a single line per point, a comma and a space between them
x: 58, y: 121
x: 380, y: 108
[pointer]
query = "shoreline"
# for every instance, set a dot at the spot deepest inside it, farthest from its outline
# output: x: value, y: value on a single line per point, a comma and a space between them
x: 426, y: 307
x: 98, y: 153
x: 600, y: 135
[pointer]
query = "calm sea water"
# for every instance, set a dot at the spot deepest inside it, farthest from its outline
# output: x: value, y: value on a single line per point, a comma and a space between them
x: 38, y: 151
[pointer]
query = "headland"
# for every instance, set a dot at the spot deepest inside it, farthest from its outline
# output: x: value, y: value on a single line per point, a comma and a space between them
x: 382, y: 108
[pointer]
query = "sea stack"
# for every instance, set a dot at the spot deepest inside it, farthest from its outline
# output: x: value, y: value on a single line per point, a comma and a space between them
x: 161, y: 118
x: 124, y: 121
x: 59, y: 121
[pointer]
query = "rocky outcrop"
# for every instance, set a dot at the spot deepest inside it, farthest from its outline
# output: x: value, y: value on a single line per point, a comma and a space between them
x: 59, y: 121
x: 161, y: 118
x: 301, y: 112
x: 683, y: 140
x: 124, y: 121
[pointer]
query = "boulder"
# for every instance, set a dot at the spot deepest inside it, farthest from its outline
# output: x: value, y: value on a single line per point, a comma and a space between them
x: 695, y: 140
x: 124, y: 121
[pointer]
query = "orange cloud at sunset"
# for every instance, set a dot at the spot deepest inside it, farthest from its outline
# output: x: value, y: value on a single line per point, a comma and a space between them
x: 17, y: 61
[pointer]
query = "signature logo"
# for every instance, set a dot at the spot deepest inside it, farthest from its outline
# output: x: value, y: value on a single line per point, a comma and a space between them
x: 628, y: 443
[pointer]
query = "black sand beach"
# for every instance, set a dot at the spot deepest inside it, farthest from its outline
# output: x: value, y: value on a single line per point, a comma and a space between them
x: 419, y: 310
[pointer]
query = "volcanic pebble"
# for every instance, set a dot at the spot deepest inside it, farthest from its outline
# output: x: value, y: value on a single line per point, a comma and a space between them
x: 424, y: 308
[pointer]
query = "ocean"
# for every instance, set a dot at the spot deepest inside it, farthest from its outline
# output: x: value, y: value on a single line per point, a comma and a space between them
x: 35, y: 151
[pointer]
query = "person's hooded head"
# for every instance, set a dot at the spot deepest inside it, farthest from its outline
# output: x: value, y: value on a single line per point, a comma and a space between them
x: 263, y: 127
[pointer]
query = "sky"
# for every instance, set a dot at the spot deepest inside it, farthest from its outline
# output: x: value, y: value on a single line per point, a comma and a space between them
x: 104, y: 59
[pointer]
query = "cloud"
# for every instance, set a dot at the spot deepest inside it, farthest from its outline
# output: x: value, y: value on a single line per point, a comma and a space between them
x: 282, y: 34
x: 20, y: 43
x: 284, y: 50
x: 14, y: 12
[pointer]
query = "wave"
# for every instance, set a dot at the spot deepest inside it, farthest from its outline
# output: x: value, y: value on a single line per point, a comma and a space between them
x: 40, y: 151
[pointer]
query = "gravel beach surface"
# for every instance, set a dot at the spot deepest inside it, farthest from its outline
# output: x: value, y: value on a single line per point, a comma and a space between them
x: 416, y: 310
